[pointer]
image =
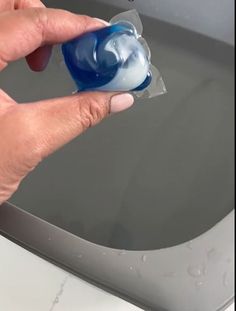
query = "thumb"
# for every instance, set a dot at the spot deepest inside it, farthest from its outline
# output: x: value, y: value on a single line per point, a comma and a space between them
x: 55, y: 122
x: 31, y: 132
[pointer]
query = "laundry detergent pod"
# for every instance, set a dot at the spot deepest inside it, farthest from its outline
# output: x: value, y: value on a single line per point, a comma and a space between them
x: 114, y: 58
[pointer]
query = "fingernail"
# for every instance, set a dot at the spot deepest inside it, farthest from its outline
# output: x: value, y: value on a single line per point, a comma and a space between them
x: 102, y: 21
x: 121, y: 102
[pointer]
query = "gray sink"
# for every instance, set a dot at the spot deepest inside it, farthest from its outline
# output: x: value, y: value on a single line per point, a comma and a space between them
x: 142, y: 205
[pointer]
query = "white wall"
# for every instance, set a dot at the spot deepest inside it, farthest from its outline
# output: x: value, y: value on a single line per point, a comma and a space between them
x: 214, y: 18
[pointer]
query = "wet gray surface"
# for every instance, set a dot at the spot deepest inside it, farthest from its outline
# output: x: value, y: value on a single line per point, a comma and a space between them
x: 154, y: 176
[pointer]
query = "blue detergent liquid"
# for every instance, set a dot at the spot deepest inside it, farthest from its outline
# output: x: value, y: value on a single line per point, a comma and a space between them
x: 108, y: 59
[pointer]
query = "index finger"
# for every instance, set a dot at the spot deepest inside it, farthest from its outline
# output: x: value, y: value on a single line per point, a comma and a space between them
x: 23, y: 31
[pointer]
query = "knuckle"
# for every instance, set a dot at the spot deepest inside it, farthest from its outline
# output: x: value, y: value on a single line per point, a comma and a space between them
x: 41, y: 20
x: 92, y: 110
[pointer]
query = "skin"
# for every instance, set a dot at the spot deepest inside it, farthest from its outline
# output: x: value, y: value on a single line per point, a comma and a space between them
x: 30, y: 132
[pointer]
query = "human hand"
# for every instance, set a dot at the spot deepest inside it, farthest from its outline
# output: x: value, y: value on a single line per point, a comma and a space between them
x: 30, y: 132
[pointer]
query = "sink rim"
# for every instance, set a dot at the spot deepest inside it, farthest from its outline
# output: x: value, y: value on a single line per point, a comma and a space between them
x: 108, y: 271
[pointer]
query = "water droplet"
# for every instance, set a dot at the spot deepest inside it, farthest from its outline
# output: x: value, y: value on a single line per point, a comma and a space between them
x: 189, y: 245
x: 79, y: 256
x: 198, y: 284
x: 56, y: 300
x: 131, y: 268
x: 122, y: 253
x: 144, y: 258
x: 225, y: 279
x: 104, y: 254
x: 170, y: 274
x: 49, y: 239
x: 196, y: 271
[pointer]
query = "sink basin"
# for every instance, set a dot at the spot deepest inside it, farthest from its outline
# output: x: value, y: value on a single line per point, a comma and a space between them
x: 142, y: 204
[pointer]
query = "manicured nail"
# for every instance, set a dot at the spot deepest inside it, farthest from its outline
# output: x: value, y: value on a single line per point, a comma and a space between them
x: 102, y: 21
x: 121, y: 102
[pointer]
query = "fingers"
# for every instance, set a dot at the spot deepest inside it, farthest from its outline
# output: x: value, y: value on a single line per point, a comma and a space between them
x: 38, y: 59
x: 54, y: 123
x: 23, y: 31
